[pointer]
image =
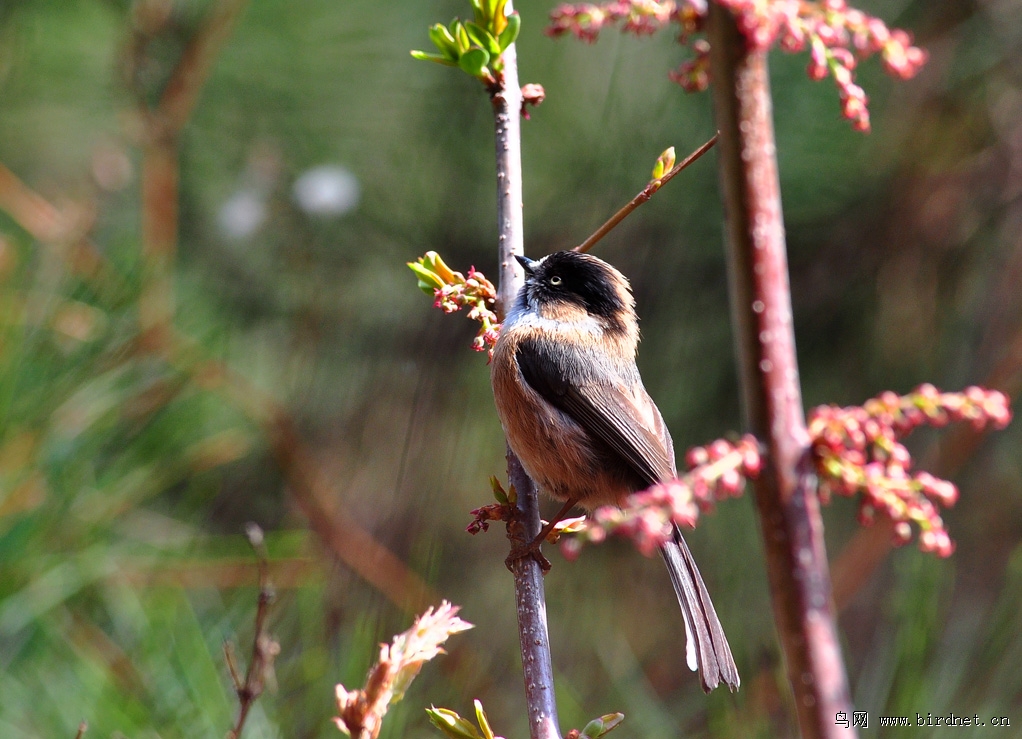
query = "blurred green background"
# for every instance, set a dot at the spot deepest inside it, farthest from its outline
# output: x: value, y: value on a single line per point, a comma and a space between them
x: 272, y: 361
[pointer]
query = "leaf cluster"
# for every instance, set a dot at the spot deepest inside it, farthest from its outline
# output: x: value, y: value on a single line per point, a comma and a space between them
x: 475, y: 46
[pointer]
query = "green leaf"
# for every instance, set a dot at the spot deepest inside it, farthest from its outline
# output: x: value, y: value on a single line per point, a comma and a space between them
x: 438, y: 58
x: 451, y: 724
x: 479, y: 12
x: 498, y: 490
x: 428, y: 281
x: 461, y: 36
x: 444, y: 41
x: 603, y: 725
x: 510, y: 32
x: 483, y: 38
x: 484, y: 724
x: 474, y: 61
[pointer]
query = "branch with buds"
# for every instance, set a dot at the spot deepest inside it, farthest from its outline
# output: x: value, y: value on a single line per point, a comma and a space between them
x: 452, y: 291
x: 265, y: 648
x: 716, y: 472
x: 454, y: 726
x: 838, y: 38
x: 857, y: 451
x: 476, y: 47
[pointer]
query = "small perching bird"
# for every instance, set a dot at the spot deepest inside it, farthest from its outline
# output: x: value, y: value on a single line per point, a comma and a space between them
x: 576, y: 414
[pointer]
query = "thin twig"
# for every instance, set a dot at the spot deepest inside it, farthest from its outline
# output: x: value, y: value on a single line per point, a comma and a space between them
x: 760, y: 295
x: 351, y: 543
x: 646, y: 193
x: 264, y: 647
x: 82, y: 728
x: 537, y: 664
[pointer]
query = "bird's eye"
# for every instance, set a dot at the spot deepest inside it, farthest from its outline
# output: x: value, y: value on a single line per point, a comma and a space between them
x: 556, y: 280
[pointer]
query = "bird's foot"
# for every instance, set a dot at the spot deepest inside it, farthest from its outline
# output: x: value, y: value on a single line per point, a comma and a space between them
x: 528, y: 550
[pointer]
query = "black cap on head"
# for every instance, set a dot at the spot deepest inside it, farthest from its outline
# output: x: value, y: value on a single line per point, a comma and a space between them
x: 581, y: 279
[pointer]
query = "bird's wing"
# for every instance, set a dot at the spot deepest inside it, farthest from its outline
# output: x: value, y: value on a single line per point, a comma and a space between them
x: 618, y: 411
x: 615, y: 410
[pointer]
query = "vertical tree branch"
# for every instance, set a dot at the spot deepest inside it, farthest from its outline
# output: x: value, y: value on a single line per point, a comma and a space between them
x: 761, y: 310
x: 160, y: 178
x: 537, y: 665
x: 160, y: 167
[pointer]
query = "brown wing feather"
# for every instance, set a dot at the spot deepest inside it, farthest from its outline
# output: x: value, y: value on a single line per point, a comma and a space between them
x: 623, y: 416
x: 602, y: 404
x: 610, y: 414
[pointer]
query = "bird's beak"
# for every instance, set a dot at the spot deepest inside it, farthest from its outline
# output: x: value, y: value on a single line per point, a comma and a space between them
x: 529, y: 265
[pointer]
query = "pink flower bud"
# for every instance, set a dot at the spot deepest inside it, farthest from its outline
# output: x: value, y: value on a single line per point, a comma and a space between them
x: 730, y: 483
x: 817, y: 68
x: 719, y: 449
x: 571, y: 547
x: 878, y: 30
x: 696, y: 456
x: 902, y: 533
x: 752, y: 461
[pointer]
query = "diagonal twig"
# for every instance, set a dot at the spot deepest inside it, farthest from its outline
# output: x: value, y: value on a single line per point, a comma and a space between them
x: 264, y: 647
x: 644, y: 195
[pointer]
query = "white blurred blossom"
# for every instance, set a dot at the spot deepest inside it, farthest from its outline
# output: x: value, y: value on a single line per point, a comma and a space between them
x: 328, y: 190
x: 243, y: 213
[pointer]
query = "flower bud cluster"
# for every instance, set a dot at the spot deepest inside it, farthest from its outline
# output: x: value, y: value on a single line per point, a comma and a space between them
x: 857, y: 450
x: 586, y: 20
x: 452, y: 291
x: 694, y: 74
x: 832, y: 31
x: 716, y: 471
x: 837, y: 37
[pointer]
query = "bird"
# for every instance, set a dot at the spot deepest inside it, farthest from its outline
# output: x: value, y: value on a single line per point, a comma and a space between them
x: 576, y: 414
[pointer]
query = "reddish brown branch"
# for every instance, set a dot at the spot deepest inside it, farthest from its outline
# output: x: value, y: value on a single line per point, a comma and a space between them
x: 307, y: 484
x: 160, y: 179
x: 160, y: 167
x: 339, y: 532
x: 47, y: 225
x: 761, y: 309
x: 342, y: 535
x: 349, y: 542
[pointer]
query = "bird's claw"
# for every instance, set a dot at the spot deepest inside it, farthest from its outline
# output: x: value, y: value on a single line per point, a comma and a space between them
x: 528, y: 550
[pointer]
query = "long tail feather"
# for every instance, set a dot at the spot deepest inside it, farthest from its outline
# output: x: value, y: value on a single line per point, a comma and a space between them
x: 707, y: 648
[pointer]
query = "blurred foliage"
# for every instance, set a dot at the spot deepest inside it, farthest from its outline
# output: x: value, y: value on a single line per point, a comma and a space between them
x: 129, y: 462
